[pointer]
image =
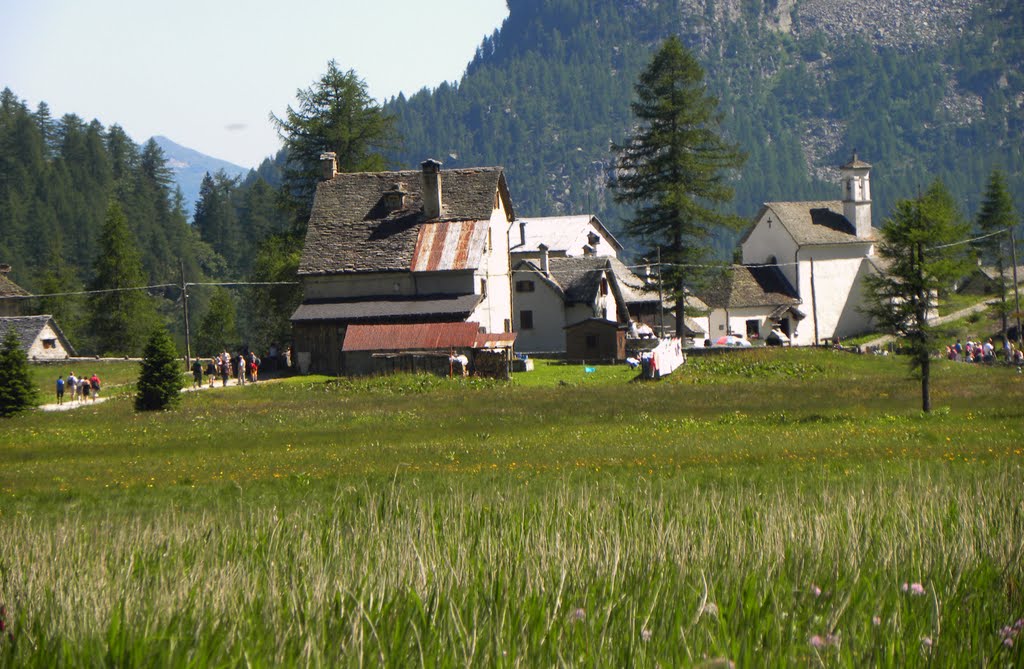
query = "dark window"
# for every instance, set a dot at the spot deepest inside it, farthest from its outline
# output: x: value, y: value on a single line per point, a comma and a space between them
x: 483, y: 287
x: 591, y: 341
x: 753, y: 329
x: 525, y: 320
x: 524, y: 286
x: 49, y: 343
x: 604, y: 286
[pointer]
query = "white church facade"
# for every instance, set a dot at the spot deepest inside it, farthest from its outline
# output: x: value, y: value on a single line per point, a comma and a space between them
x: 805, y: 265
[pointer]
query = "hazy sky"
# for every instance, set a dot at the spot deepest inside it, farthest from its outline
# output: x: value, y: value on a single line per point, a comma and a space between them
x: 206, y: 73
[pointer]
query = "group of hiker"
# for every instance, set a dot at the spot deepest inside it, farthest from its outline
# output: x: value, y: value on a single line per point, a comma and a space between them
x: 81, y: 390
x: 244, y: 367
x: 984, y: 352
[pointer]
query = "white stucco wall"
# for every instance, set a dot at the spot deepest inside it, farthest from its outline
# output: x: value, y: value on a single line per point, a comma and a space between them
x: 495, y: 311
x: 549, y: 318
x: 767, y: 240
x: 838, y: 291
x: 734, y: 321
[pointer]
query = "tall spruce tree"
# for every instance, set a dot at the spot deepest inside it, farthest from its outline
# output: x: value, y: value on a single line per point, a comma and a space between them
x: 675, y: 169
x: 121, y: 317
x: 160, y: 379
x: 997, y: 217
x: 921, y: 257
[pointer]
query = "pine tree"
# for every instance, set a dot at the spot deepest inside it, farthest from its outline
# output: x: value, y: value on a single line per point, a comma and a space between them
x: 919, y: 264
x: 997, y: 217
x: 120, y: 318
x: 17, y: 391
x: 160, y: 379
x: 675, y: 168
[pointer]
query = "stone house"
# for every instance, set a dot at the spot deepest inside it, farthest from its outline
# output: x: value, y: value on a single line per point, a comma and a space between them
x: 426, y: 246
x: 40, y: 337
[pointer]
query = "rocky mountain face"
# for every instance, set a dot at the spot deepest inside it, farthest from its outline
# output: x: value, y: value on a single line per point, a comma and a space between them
x: 922, y: 88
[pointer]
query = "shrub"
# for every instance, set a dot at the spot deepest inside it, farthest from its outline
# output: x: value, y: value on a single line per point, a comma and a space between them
x: 159, y: 382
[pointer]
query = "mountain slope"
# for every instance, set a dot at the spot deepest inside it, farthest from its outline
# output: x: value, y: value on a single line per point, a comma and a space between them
x: 922, y: 89
x: 189, y: 167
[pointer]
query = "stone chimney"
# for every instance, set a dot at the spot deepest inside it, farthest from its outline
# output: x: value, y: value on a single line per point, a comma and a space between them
x: 588, y: 251
x: 328, y: 165
x: 394, y: 198
x: 522, y: 233
x: 594, y: 239
x: 543, y: 248
x: 432, y: 202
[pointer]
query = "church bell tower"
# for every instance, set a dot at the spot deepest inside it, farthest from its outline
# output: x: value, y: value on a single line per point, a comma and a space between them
x: 856, y: 176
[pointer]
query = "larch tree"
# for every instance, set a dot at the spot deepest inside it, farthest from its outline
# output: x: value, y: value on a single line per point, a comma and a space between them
x: 922, y: 254
x: 675, y: 170
x: 335, y: 114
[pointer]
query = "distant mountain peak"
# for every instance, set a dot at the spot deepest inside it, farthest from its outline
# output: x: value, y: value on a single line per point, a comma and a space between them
x: 190, y: 166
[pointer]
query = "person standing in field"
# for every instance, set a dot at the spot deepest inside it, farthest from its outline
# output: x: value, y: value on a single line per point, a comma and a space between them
x: 72, y: 384
x: 60, y: 390
x: 225, y: 368
x: 211, y: 371
x: 94, y: 386
x: 197, y: 373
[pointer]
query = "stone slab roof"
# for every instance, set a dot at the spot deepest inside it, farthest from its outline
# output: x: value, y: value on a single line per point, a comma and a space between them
x: 29, y: 327
x: 453, y: 307
x: 813, y: 222
x: 350, y: 229
x: 757, y: 286
x: 10, y: 289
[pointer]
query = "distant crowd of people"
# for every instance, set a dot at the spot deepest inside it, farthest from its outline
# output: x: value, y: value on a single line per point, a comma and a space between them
x: 245, y: 367
x: 81, y: 389
x: 984, y: 352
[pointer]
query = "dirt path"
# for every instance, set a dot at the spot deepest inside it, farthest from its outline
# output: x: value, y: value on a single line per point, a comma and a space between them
x: 70, y: 406
x: 973, y: 309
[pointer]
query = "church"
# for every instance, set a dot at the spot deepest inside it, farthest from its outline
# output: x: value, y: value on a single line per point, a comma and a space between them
x: 804, y: 267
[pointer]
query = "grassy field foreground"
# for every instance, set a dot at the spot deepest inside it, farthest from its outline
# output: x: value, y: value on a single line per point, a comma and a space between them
x: 770, y: 508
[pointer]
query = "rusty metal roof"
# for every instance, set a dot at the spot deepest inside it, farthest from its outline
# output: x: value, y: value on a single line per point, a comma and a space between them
x: 450, y: 245
x: 410, y: 337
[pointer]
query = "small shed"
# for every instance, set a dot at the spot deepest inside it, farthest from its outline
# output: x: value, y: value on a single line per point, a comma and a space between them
x: 596, y: 340
x: 40, y: 337
x: 435, y: 348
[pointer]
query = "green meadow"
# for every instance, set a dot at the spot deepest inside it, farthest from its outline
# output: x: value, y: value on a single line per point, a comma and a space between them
x: 762, y: 508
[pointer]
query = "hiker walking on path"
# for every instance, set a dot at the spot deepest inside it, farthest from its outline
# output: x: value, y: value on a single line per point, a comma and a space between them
x: 72, y: 384
x: 94, y: 386
x: 211, y: 371
x: 60, y: 390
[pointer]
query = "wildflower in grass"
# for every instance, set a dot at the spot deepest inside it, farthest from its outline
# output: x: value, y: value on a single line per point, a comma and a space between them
x: 876, y: 621
x: 927, y: 642
x: 815, y: 590
x: 645, y: 635
x: 577, y: 615
x: 916, y: 589
x: 818, y: 641
x: 709, y: 608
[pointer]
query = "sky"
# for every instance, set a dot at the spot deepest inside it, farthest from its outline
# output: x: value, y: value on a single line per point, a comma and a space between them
x: 207, y: 73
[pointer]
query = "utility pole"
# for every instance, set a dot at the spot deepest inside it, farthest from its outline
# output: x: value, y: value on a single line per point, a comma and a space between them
x: 1016, y: 290
x: 184, y: 306
x: 661, y: 301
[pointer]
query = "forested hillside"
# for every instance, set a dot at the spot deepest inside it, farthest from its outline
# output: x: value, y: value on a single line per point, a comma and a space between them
x: 920, y: 89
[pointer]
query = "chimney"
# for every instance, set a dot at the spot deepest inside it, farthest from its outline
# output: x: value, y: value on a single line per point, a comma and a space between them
x: 522, y: 233
x: 543, y: 248
x: 328, y: 165
x: 5, y: 268
x: 431, y: 188
x: 588, y: 250
x: 594, y: 239
x: 394, y: 198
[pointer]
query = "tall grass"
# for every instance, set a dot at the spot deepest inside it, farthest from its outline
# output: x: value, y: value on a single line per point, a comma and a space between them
x: 763, y: 509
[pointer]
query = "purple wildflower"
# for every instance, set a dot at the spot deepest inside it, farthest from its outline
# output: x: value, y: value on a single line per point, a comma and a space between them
x: 917, y: 589
x: 876, y: 621
x: 646, y: 634
x: 927, y: 641
x: 815, y: 590
x: 577, y: 615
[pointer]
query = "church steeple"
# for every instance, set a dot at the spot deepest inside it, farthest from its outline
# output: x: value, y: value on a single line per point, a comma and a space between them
x: 857, y: 195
